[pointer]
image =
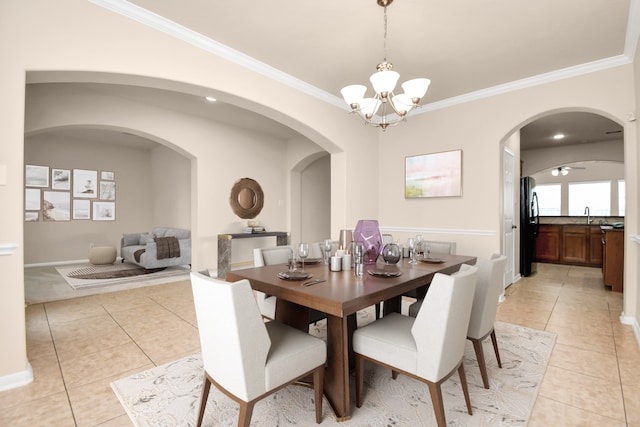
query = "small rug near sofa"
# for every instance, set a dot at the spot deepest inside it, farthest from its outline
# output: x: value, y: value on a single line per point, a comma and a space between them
x: 86, y: 276
x: 168, y: 395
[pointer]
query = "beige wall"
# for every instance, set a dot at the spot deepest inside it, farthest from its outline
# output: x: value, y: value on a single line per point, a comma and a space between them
x: 632, y: 254
x: 367, y: 166
x: 47, y: 242
x: 479, y: 128
x: 170, y: 190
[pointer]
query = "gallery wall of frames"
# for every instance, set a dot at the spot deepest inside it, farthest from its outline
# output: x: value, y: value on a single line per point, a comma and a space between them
x: 69, y: 194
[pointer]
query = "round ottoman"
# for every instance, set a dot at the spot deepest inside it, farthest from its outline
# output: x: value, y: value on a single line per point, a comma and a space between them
x: 101, y: 255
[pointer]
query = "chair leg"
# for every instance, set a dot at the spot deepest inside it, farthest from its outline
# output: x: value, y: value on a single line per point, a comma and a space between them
x: 318, y: 382
x: 246, y: 410
x: 206, y: 385
x: 465, y: 388
x: 438, y: 405
x: 477, y: 346
x: 359, y: 379
x: 495, y: 347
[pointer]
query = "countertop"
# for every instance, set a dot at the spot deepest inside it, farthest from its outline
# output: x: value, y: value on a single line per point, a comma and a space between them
x: 580, y: 220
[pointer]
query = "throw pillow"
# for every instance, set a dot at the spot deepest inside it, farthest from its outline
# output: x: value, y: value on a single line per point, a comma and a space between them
x: 145, y: 238
x: 131, y: 239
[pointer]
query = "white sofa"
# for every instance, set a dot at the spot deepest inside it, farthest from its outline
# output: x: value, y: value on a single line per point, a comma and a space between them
x: 146, y: 247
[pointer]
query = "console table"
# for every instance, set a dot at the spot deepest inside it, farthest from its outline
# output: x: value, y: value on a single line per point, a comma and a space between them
x: 224, y: 246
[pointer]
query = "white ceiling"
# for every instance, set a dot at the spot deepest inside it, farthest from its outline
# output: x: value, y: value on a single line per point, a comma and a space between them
x: 468, y: 48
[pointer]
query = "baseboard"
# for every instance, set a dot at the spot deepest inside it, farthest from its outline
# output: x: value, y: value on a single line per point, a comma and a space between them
x: 56, y: 263
x: 16, y: 380
x: 628, y: 320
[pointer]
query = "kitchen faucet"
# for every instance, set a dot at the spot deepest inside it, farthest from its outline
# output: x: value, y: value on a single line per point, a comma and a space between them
x: 588, y: 214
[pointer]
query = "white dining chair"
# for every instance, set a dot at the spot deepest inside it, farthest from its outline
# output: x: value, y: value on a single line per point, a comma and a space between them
x: 272, y: 256
x: 429, y: 347
x: 435, y: 247
x: 315, y: 250
x: 490, y: 285
x: 244, y: 357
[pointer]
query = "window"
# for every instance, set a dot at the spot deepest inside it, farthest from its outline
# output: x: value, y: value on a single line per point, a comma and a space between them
x: 595, y: 195
x: 621, y: 198
x: 549, y: 199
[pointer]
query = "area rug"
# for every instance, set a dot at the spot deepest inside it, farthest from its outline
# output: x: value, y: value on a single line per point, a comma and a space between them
x: 168, y: 395
x: 84, y: 276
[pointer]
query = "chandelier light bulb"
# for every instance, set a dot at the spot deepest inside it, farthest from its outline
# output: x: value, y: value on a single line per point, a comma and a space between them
x: 384, y: 82
x: 353, y: 95
x: 416, y: 88
x: 554, y: 172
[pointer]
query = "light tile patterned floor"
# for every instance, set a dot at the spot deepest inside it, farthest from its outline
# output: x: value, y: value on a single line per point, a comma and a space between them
x: 78, y: 346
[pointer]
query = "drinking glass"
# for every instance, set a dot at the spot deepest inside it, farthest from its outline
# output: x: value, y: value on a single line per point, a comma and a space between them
x: 358, y: 256
x: 303, y: 252
x: 419, y: 246
x: 412, y: 249
x: 291, y: 261
x: 326, y: 250
x: 427, y: 250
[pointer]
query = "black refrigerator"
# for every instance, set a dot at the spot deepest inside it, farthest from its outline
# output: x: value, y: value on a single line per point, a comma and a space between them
x: 529, y: 222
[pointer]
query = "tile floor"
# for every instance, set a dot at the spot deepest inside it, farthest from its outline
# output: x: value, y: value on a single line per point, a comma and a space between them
x: 78, y: 346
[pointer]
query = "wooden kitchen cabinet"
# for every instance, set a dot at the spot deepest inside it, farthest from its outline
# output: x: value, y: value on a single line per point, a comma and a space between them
x: 572, y: 244
x: 548, y: 243
x: 595, y: 246
x: 613, y: 259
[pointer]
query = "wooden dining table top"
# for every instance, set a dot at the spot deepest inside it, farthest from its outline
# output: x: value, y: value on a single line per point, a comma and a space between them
x: 342, y: 293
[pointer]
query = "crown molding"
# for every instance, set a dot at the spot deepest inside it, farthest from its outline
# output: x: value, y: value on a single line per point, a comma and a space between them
x: 155, y: 21
x: 540, y: 79
x: 180, y: 32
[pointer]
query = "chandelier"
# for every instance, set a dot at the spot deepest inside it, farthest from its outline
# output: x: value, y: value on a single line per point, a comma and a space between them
x: 385, y: 108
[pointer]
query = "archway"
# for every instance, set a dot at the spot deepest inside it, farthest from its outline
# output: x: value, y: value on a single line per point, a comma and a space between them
x: 545, y: 160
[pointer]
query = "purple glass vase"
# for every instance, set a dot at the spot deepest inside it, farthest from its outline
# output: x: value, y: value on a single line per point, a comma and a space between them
x: 367, y: 233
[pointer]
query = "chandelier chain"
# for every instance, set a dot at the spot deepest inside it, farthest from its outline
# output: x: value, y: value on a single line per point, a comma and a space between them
x: 385, y: 34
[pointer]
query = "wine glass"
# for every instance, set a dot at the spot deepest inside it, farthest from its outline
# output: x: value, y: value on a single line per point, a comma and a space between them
x: 428, y: 250
x: 326, y: 250
x: 419, y: 246
x: 412, y: 249
x: 303, y: 252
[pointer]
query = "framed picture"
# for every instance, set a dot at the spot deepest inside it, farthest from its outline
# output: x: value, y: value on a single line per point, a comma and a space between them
x: 81, y: 209
x: 31, y: 199
x: 56, y: 206
x: 107, y: 190
x: 36, y: 176
x: 104, y: 211
x: 85, y: 184
x: 60, y: 179
x: 433, y: 175
x: 109, y: 176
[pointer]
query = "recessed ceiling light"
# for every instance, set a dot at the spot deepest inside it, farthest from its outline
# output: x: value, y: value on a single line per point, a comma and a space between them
x: 558, y: 136
x: 210, y: 98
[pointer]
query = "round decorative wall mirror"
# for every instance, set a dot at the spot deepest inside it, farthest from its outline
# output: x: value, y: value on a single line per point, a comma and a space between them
x: 246, y: 198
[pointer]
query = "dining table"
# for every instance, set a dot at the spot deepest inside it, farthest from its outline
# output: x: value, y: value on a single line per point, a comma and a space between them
x: 341, y: 295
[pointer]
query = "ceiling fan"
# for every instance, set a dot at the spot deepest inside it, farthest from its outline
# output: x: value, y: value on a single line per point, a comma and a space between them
x: 564, y: 170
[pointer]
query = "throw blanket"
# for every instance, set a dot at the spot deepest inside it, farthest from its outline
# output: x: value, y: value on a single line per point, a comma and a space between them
x: 137, y: 254
x: 168, y: 247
